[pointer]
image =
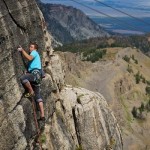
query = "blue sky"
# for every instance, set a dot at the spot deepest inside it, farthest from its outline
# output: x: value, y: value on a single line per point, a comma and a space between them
x: 138, y: 8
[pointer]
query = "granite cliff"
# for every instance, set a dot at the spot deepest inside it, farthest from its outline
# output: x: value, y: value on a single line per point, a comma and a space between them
x: 75, y: 117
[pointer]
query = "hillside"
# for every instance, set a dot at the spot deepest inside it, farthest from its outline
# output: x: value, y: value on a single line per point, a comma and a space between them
x: 89, y: 45
x: 68, y: 24
x: 115, y: 77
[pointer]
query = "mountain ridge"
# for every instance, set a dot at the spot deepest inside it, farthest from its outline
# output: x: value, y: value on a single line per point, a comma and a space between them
x: 72, y: 24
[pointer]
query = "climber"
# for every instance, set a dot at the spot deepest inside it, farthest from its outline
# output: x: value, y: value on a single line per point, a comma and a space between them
x: 31, y: 79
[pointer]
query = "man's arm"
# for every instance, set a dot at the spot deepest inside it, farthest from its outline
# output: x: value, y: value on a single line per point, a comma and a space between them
x: 25, y: 54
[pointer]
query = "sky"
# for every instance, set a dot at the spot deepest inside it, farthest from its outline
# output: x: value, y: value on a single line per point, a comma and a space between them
x: 137, y: 8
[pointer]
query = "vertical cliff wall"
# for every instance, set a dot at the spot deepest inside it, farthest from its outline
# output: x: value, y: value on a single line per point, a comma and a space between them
x: 20, y: 22
x: 75, y: 117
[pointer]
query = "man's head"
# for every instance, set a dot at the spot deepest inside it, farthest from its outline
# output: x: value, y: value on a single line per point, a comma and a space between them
x: 33, y: 46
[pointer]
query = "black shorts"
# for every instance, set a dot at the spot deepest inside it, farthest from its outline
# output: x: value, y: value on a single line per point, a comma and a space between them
x: 29, y: 77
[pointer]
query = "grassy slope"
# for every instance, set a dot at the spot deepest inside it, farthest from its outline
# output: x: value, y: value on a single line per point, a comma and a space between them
x: 111, y: 78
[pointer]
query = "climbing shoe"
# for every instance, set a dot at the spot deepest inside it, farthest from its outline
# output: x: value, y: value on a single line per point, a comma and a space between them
x: 29, y: 95
x: 41, y: 122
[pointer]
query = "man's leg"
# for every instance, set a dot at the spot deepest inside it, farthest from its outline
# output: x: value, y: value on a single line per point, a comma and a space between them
x: 41, y: 109
x: 40, y: 102
x: 25, y: 80
x: 29, y: 87
x: 39, y: 99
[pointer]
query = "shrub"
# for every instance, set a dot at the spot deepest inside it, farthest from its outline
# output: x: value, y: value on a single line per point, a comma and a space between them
x: 148, y: 82
x: 102, y: 45
x: 147, y: 89
x: 136, y: 61
x: 142, y: 107
x: 134, y: 112
x: 126, y: 58
x: 143, y: 80
x: 137, y: 112
x: 129, y: 69
x: 148, y: 106
x: 137, y: 77
x: 133, y: 57
x: 95, y: 56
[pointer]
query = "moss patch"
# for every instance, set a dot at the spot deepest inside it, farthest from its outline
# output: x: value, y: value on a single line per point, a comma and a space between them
x: 79, y: 147
x: 78, y: 98
x: 43, y: 138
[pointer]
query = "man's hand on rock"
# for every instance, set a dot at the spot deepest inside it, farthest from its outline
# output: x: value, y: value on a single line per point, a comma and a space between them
x: 19, y: 49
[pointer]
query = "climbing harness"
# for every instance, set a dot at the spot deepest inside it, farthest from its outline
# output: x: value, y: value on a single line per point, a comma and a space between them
x: 37, y: 76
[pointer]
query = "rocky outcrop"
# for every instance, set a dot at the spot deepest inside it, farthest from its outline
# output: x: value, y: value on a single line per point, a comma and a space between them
x: 82, y: 119
x: 67, y: 24
x: 70, y: 112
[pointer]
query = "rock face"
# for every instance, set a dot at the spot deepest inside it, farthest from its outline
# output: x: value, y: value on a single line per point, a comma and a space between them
x: 67, y: 24
x: 70, y: 112
x: 82, y: 119
x: 21, y: 22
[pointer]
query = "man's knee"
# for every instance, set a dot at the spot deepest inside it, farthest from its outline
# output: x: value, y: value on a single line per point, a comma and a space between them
x: 23, y: 80
x: 39, y: 100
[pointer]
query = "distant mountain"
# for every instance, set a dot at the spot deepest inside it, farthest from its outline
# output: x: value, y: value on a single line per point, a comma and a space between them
x: 68, y: 24
x: 138, y: 8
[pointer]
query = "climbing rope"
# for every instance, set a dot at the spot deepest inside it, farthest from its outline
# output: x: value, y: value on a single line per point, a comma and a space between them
x: 36, y: 123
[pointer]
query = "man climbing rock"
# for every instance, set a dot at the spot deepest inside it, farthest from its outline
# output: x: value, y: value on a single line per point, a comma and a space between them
x: 31, y: 79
